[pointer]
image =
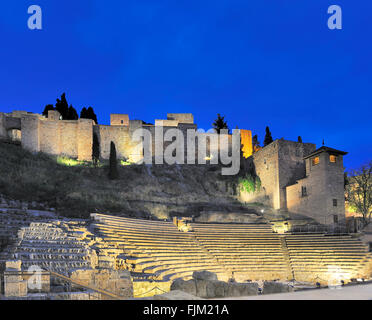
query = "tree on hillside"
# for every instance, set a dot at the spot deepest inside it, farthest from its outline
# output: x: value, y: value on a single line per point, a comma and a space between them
x: 47, y: 108
x: 72, y: 114
x: 113, y: 169
x: 255, y: 143
x: 92, y: 115
x: 62, y: 106
x: 83, y: 113
x: 299, y: 139
x: 268, y: 138
x: 359, y: 191
x: 88, y: 114
x: 67, y: 112
x: 95, y: 151
x: 220, y: 123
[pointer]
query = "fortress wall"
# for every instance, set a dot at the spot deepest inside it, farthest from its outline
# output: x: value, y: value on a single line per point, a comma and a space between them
x: 49, y: 137
x: 117, y: 134
x: 246, y: 141
x: 324, y: 182
x: 3, y: 131
x: 267, y: 168
x: 119, y: 119
x: 309, y: 204
x: 68, y: 142
x: 30, y: 133
x: 181, y: 117
x: 85, y: 139
x: 12, y: 123
x: 291, y: 165
x: 166, y: 123
x: 335, y: 187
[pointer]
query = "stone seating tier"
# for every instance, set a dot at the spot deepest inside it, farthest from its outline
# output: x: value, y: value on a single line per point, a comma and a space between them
x: 251, y: 251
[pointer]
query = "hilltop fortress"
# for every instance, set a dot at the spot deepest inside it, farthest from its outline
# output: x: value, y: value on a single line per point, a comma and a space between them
x: 295, y: 177
x: 74, y: 138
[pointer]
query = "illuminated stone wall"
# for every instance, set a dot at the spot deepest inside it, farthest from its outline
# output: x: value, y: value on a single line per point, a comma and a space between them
x: 3, y: 131
x: 278, y: 165
x: 246, y: 141
x: 119, y: 119
x: 30, y: 133
x: 181, y: 117
x: 74, y: 138
x: 324, y: 183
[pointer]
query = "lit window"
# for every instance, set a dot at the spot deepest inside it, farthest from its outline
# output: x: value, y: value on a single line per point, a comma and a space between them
x: 335, y: 202
x: 332, y: 158
x: 315, y: 161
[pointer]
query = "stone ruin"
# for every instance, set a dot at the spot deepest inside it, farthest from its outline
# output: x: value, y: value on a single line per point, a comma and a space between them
x: 111, y: 257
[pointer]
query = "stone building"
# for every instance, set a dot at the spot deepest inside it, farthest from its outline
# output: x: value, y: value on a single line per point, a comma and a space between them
x: 302, y: 179
x: 294, y: 176
x: 74, y: 138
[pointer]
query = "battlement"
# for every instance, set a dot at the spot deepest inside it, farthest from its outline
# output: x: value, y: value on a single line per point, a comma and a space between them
x: 74, y: 138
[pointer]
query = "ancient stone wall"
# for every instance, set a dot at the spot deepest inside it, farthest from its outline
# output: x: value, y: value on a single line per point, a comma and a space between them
x: 267, y: 168
x: 49, y: 137
x: 68, y: 138
x: 74, y: 138
x: 324, y: 184
x: 3, y: 131
x: 119, y: 119
x: 181, y: 117
x: 85, y: 139
x: 291, y: 164
x: 280, y: 164
x: 30, y: 133
x: 119, y: 135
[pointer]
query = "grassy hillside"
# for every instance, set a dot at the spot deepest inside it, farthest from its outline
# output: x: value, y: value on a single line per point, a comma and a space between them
x: 77, y: 189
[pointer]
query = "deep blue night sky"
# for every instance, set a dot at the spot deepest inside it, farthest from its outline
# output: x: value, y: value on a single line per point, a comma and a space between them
x: 258, y: 62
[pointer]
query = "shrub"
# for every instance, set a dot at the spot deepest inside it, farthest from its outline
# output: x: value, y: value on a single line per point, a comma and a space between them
x: 250, y: 184
x: 113, y: 169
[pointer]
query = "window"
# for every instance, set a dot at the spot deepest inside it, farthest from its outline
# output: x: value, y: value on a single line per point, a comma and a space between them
x: 315, y: 161
x: 122, y: 121
x: 335, y: 202
x: 332, y: 158
x: 335, y: 218
x: 303, y: 192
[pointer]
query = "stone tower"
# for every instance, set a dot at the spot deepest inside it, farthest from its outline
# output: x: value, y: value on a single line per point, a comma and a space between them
x: 320, y: 194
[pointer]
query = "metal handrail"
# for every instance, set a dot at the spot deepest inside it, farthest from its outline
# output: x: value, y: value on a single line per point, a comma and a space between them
x: 71, y: 281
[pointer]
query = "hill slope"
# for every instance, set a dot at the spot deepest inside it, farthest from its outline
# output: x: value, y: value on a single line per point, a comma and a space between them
x: 141, y: 191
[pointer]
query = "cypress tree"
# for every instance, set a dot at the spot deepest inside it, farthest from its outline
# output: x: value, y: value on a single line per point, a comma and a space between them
x: 88, y: 114
x: 72, y: 114
x: 268, y: 137
x: 113, y: 170
x: 255, y: 143
x: 95, y: 152
x: 83, y: 113
x: 220, y: 123
x: 299, y: 139
x: 62, y: 106
x: 92, y: 115
x: 46, y: 109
